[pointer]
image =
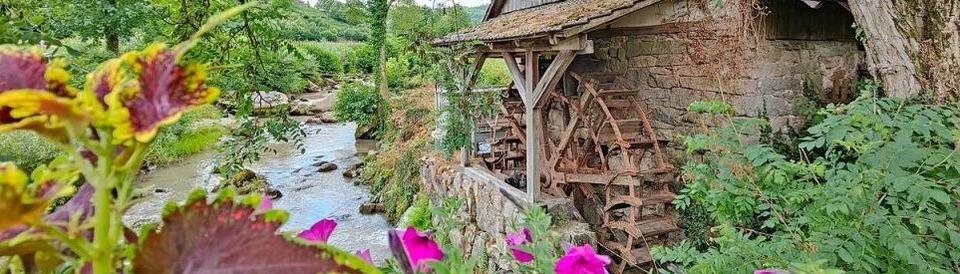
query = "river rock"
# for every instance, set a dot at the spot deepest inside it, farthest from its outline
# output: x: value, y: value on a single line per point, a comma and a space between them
x: 372, y: 208
x: 246, y: 182
x: 264, y: 101
x: 328, y: 117
x: 314, y: 121
x: 327, y: 167
x: 354, y: 171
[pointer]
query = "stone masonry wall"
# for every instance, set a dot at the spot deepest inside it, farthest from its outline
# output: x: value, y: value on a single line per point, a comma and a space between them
x: 488, y: 214
x: 772, y: 82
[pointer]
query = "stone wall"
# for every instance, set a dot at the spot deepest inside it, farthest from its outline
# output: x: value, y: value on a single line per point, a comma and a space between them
x: 489, y: 209
x: 772, y: 81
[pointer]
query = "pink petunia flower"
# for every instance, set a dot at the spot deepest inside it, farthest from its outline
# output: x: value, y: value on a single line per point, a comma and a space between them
x: 320, y: 231
x: 582, y: 260
x: 364, y: 254
x: 414, y: 250
x: 516, y: 240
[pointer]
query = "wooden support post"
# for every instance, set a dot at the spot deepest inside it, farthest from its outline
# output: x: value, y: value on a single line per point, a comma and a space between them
x: 532, y: 118
x: 536, y: 88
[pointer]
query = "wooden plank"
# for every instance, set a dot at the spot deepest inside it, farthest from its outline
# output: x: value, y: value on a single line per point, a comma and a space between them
x: 533, y: 151
x: 519, y: 82
x: 552, y: 76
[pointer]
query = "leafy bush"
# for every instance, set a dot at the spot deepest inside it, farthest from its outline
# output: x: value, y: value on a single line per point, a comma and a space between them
x: 27, y: 149
x: 494, y: 74
x: 880, y: 195
x: 362, y: 59
x: 358, y: 103
x: 324, y: 60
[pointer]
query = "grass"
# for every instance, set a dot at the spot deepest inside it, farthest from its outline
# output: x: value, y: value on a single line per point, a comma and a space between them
x: 27, y: 149
x: 175, y: 142
x: 186, y: 137
x: 341, y: 49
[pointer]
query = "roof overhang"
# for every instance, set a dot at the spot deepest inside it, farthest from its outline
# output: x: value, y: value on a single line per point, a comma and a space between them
x: 552, y: 22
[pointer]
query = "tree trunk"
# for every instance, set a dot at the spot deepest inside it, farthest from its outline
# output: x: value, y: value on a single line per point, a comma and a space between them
x: 111, y: 37
x: 912, y: 46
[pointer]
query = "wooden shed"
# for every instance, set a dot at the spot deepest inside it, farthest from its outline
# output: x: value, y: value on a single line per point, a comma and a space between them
x: 601, y: 88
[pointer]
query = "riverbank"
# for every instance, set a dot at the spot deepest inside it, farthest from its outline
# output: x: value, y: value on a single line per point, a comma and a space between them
x: 307, y: 194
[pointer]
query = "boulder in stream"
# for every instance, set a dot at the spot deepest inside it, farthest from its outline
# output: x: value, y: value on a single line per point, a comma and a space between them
x: 246, y: 182
x: 325, y: 166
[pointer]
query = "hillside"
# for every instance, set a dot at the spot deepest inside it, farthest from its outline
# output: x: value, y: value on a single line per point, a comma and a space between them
x: 476, y: 13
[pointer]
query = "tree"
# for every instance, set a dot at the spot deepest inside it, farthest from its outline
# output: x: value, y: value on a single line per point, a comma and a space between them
x: 379, y: 9
x: 912, y: 46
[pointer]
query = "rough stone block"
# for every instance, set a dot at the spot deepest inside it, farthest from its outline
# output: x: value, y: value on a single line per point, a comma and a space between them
x: 769, y: 85
x: 747, y: 105
x: 672, y: 60
x: 666, y: 81
x: 643, y: 61
x: 660, y: 71
x: 699, y: 83
x: 576, y: 233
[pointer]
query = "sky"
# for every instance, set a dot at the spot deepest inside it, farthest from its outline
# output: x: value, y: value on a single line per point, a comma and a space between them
x: 468, y: 3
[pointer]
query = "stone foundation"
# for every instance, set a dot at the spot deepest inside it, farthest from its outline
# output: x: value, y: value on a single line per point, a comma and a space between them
x: 490, y: 209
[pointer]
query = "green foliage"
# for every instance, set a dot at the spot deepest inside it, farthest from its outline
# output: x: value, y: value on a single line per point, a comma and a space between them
x: 361, y: 59
x: 494, y: 74
x: 880, y: 196
x: 419, y: 215
x: 198, y: 130
x: 710, y: 107
x: 455, y: 261
x: 27, y: 149
x: 544, y: 247
x: 358, y: 103
x: 324, y: 60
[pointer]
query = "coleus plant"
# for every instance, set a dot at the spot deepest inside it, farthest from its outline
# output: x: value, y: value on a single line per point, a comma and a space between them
x: 106, y: 127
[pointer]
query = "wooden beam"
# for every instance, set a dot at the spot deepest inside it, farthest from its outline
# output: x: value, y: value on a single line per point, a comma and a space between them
x: 477, y: 66
x: 541, y: 44
x: 533, y: 150
x: 552, y: 76
x: 532, y: 119
x: 518, y: 80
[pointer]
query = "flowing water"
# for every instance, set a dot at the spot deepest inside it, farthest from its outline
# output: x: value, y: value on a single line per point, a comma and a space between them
x: 308, y: 195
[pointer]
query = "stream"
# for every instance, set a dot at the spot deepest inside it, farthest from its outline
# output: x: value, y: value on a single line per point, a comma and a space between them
x: 307, y: 194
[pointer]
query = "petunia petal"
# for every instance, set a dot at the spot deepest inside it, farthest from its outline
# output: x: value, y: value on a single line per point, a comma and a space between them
x: 521, y: 256
x: 420, y: 249
x: 582, y: 259
x: 320, y: 231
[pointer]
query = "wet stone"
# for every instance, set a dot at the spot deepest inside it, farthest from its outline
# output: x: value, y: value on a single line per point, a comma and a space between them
x: 327, y: 167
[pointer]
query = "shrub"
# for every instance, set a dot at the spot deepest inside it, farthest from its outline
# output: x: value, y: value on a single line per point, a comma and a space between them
x: 494, y: 74
x: 362, y: 59
x: 880, y: 196
x: 324, y: 60
x: 358, y: 103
